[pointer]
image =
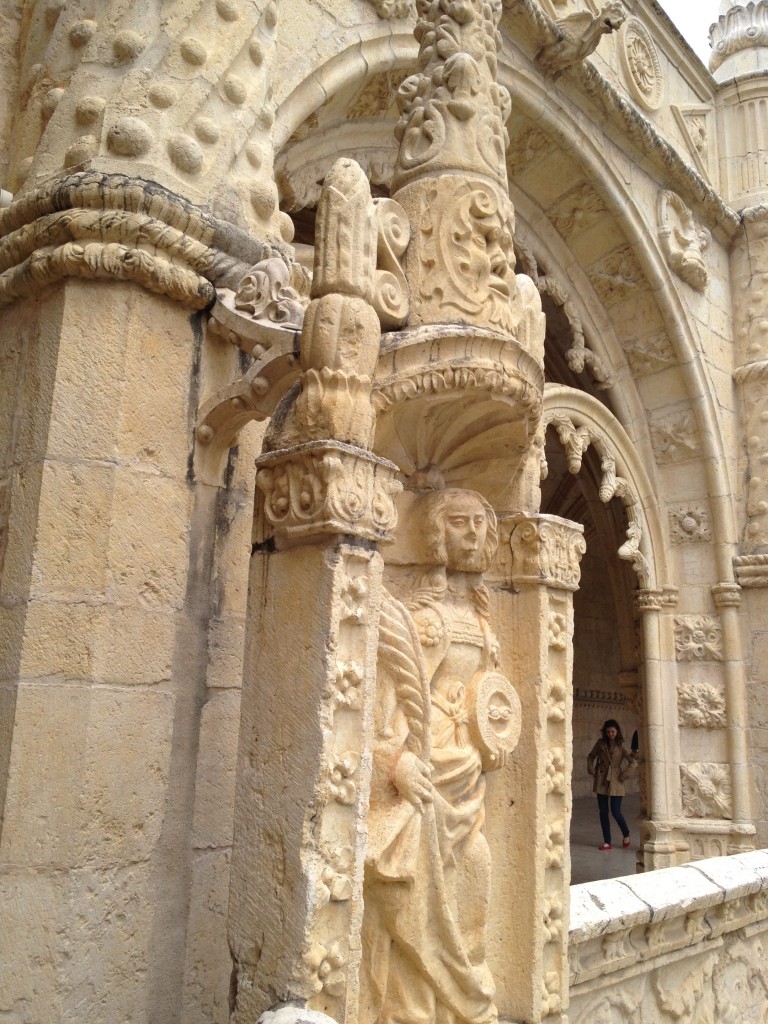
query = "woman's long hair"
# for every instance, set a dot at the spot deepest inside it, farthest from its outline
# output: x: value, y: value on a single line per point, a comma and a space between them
x: 613, y: 724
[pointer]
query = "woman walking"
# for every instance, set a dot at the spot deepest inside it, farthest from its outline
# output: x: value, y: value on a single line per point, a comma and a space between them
x: 606, y: 762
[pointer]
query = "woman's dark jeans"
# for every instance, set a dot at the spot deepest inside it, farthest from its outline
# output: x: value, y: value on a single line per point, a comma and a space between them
x: 605, y: 821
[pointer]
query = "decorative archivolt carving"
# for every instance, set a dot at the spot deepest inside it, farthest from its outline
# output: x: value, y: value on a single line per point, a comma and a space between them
x: 616, y: 276
x: 577, y: 210
x: 701, y: 706
x: 684, y: 243
x: 706, y: 790
x: 580, y: 34
x: 674, y: 438
x: 649, y: 354
x: 578, y: 355
x: 698, y: 638
x: 575, y: 440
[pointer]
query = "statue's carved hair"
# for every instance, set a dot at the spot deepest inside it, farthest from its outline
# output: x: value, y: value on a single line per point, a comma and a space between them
x: 430, y: 511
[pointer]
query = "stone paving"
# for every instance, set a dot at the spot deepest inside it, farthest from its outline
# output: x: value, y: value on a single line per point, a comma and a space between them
x: 588, y: 864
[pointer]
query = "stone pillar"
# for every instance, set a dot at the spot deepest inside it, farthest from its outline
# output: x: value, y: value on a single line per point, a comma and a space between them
x: 529, y: 806
x: 103, y: 609
x: 304, y: 755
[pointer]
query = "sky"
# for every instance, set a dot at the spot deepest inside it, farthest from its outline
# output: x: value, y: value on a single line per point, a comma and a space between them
x: 693, y: 18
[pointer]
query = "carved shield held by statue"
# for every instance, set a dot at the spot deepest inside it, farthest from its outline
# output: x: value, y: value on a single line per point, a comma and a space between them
x: 495, y: 719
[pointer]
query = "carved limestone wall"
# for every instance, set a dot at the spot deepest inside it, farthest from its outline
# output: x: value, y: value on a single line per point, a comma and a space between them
x: 686, y: 944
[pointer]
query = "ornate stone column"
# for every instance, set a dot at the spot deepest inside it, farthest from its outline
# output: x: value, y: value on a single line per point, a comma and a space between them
x: 532, y: 595
x: 304, y: 760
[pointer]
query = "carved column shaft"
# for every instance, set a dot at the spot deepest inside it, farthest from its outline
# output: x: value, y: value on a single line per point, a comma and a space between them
x: 533, y: 597
x: 660, y: 850
x: 303, y: 779
x: 728, y: 598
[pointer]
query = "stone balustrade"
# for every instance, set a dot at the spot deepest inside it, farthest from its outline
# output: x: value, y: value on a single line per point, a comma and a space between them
x: 685, y: 943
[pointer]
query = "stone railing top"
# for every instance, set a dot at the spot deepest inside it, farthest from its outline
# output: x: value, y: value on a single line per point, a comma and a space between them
x: 615, y: 904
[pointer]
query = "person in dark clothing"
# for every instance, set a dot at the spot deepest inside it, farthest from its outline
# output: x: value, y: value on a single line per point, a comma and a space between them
x: 610, y: 763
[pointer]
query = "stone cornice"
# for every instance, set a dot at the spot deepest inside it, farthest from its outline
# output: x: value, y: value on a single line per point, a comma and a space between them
x: 624, y: 116
x: 111, y: 226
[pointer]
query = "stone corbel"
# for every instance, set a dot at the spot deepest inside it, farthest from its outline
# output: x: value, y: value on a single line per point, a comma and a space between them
x: 684, y: 242
x: 579, y: 37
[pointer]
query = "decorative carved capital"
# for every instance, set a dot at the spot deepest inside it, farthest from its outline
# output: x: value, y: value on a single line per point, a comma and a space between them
x: 649, y: 600
x: 743, y: 27
x: 726, y: 595
x: 327, y: 487
x: 547, y: 551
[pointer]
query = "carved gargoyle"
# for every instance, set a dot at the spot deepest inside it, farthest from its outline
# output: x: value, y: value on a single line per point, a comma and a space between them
x: 580, y: 34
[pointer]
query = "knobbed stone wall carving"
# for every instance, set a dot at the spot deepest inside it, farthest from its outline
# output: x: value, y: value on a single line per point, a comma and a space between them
x: 185, y: 101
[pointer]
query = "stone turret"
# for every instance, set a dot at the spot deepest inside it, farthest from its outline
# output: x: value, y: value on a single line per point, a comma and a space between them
x: 739, y: 40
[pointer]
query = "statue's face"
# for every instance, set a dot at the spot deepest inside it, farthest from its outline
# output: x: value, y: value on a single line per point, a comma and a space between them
x: 466, y: 529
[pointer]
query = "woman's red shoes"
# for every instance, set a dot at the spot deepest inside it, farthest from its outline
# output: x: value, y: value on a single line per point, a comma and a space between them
x: 605, y: 846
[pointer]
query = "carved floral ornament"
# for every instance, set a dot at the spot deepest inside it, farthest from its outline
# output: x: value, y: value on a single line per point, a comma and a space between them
x: 684, y: 242
x: 642, y: 66
x: 706, y: 790
x: 698, y: 638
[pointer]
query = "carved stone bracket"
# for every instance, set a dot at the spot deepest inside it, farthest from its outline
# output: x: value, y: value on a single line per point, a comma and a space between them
x: 547, y: 549
x: 684, y: 242
x: 327, y: 487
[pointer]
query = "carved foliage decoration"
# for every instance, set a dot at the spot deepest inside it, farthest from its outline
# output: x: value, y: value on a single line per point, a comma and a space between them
x: 674, y: 437
x: 698, y: 638
x: 706, y: 790
x: 649, y: 354
x: 266, y: 294
x: 452, y: 111
x: 394, y: 8
x: 616, y: 276
x: 577, y: 210
x: 642, y: 65
x: 688, y: 523
x: 741, y: 27
x: 684, y: 242
x: 466, y: 255
x: 701, y: 706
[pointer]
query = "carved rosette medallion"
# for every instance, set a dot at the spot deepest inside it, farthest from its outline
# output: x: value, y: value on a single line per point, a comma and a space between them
x: 706, y: 790
x: 642, y: 66
x: 547, y: 550
x: 701, y: 706
x: 327, y: 488
x: 698, y: 638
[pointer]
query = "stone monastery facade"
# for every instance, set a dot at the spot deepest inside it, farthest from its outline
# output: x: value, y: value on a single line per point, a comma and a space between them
x: 384, y: 404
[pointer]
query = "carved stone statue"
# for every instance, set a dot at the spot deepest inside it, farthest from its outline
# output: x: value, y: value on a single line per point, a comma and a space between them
x: 444, y: 716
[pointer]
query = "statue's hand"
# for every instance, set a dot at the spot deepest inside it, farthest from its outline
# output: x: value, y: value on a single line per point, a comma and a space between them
x: 411, y: 779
